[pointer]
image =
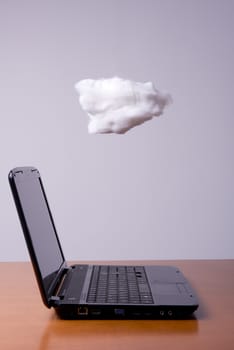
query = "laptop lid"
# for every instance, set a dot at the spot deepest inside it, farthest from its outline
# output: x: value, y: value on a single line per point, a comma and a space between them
x: 39, y: 229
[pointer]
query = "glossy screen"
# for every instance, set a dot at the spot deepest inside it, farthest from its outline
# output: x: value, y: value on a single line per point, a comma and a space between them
x: 40, y: 226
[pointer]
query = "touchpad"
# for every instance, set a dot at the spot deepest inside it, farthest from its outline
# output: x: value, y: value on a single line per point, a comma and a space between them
x: 166, y: 288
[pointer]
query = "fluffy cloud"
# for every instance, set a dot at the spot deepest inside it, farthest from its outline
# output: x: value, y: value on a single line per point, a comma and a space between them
x: 116, y: 105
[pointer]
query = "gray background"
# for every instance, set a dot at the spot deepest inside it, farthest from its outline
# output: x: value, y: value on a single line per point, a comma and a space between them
x: 163, y: 190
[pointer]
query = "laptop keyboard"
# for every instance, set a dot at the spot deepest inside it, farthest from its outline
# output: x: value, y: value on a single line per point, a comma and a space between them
x: 119, y: 285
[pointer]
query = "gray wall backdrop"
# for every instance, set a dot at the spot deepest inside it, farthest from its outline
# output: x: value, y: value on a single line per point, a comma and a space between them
x: 163, y: 190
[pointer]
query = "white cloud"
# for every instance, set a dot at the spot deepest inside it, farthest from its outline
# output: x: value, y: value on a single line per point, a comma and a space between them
x: 116, y: 105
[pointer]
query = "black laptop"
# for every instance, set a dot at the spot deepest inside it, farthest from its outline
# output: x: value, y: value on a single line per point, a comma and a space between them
x: 92, y: 291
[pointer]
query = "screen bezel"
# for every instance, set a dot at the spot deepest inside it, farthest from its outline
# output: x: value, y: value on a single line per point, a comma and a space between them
x: 47, y: 284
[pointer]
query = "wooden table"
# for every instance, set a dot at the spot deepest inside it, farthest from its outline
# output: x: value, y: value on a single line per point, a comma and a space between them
x: 26, y: 324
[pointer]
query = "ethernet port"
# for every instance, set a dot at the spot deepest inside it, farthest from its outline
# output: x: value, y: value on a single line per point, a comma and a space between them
x: 82, y: 311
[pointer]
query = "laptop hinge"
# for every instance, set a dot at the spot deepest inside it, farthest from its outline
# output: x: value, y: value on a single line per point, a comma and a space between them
x: 55, y: 299
x: 59, y: 291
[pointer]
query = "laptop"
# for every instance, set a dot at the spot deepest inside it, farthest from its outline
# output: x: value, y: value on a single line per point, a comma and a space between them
x: 84, y: 291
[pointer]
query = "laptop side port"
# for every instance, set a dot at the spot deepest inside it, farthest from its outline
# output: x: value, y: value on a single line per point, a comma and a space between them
x: 82, y: 311
x: 95, y: 312
x: 119, y: 312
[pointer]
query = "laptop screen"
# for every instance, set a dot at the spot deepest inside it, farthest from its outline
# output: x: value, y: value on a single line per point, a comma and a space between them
x: 38, y: 225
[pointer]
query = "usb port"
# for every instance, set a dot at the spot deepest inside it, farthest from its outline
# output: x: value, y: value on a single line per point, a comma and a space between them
x: 95, y: 312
